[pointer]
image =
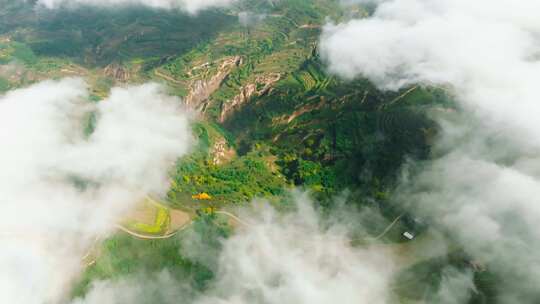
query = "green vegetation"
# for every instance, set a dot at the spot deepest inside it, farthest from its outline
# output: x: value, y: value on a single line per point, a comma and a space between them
x: 238, y: 181
x: 18, y: 52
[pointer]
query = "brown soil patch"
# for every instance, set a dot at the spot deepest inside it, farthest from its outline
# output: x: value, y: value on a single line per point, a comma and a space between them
x: 179, y: 219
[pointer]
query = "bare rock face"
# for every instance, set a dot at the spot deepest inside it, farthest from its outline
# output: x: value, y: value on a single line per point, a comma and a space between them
x: 221, y: 152
x: 117, y: 72
x: 261, y: 86
x: 200, y: 90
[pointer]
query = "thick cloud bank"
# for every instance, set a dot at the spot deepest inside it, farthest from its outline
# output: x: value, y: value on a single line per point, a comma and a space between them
x: 61, y: 189
x: 485, y: 186
x: 191, y: 6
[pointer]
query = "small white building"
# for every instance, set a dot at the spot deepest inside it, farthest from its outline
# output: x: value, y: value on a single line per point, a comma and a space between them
x: 408, y: 235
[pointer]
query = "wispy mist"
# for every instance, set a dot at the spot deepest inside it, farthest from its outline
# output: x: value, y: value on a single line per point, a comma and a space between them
x: 280, y: 258
x: 249, y: 19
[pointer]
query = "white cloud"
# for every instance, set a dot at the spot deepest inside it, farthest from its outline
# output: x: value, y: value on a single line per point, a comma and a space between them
x: 191, y: 6
x: 484, y: 186
x: 60, y: 190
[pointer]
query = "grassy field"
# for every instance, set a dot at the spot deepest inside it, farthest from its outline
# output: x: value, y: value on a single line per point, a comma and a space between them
x: 159, y: 225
